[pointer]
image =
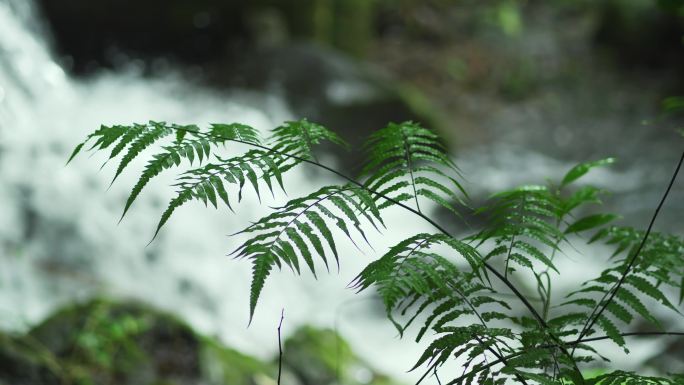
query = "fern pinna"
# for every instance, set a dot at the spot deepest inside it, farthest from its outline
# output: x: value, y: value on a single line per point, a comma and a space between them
x: 458, y: 288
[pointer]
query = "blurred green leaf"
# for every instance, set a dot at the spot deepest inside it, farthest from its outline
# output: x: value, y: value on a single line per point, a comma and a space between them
x: 673, y: 104
x: 590, y: 222
x: 583, y: 168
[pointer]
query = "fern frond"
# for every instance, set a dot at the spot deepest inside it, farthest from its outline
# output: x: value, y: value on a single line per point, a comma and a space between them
x: 583, y: 168
x: 208, y: 183
x: 661, y: 258
x: 521, y: 221
x: 407, y: 162
x: 467, y: 342
x: 104, y: 137
x: 659, y: 265
x: 298, y: 138
x: 139, y: 142
x: 301, y: 227
x: 190, y: 143
x: 526, y: 221
x: 422, y: 277
x: 628, y: 378
x: 411, y: 275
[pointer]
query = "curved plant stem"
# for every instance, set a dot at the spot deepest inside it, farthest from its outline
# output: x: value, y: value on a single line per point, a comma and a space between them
x: 409, y: 163
x: 629, y: 334
x: 604, y: 304
x: 280, y: 345
x: 577, y: 342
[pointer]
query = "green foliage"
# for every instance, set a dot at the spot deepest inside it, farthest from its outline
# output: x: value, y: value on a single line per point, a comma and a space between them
x: 286, y: 235
x: 403, y: 162
x: 627, y: 378
x: 108, y: 341
x: 455, y: 287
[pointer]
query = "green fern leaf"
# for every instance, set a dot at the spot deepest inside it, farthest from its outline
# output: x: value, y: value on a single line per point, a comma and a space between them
x: 404, y: 158
x: 631, y: 300
x: 182, y: 197
x: 104, y: 137
x: 583, y: 168
x: 649, y: 289
x: 283, y: 235
x: 590, y: 222
x: 611, y: 331
x: 129, y: 136
x: 261, y: 268
x: 299, y: 137
x: 155, y: 132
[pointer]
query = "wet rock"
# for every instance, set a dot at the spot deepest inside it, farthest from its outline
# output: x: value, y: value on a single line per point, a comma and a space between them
x: 107, y: 343
x: 103, y: 342
x: 323, y: 357
x: 21, y: 363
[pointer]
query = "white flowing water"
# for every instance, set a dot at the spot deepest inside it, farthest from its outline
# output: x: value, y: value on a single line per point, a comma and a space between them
x: 59, y: 240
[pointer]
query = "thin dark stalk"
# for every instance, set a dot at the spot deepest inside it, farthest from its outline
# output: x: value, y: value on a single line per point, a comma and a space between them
x: 592, y: 339
x: 604, y: 304
x: 437, y: 377
x: 630, y: 334
x: 410, y: 167
x: 504, y: 360
x: 495, y: 350
x: 280, y: 345
x: 510, y: 247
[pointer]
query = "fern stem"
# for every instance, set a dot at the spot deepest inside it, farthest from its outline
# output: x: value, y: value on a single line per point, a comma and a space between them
x: 510, y: 247
x: 410, y: 167
x: 496, y: 351
x: 307, y: 208
x: 547, y: 300
x: 545, y: 293
x: 591, y: 321
x: 577, y: 342
x: 630, y: 334
x: 437, y: 377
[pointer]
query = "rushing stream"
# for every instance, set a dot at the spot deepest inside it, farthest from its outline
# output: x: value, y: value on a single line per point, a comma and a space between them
x: 59, y: 240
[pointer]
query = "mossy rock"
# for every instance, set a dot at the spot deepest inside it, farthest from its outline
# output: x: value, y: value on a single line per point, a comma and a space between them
x: 102, y: 342
x: 222, y: 365
x: 323, y: 357
x: 23, y: 362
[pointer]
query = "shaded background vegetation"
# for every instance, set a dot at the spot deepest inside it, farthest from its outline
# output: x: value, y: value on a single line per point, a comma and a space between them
x: 564, y: 78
